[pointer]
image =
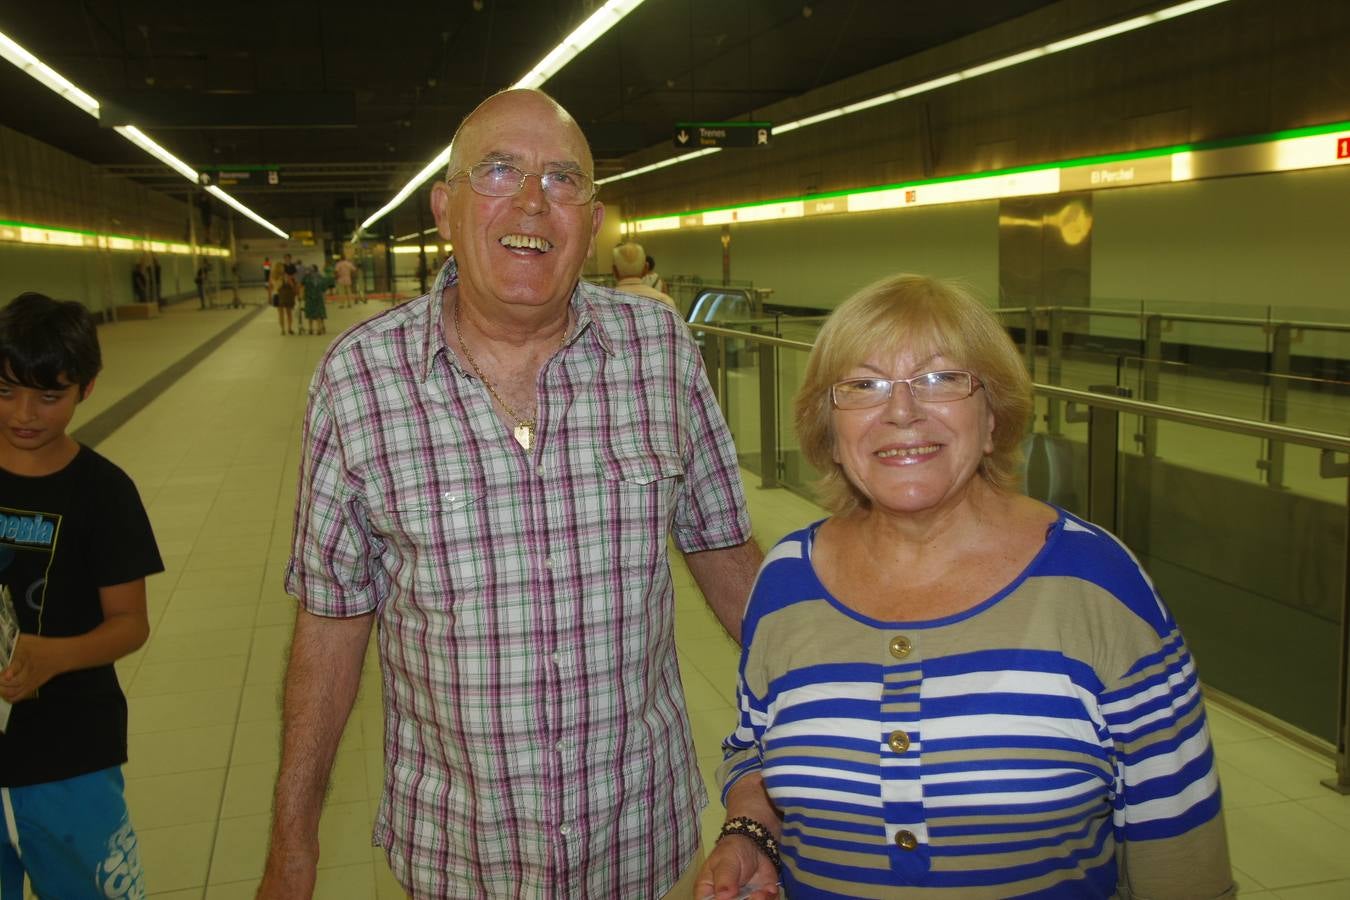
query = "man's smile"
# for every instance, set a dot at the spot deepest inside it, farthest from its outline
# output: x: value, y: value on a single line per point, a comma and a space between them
x: 525, y: 242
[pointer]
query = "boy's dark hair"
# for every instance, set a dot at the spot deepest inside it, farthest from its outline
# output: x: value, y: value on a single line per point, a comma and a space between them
x: 42, y: 339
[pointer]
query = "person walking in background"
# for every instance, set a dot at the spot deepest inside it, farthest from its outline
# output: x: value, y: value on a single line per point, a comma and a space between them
x: 343, y: 273
x: 156, y: 281
x: 139, y: 286
x: 652, y: 279
x: 630, y: 267
x: 200, y: 278
x: 315, y: 285
x: 283, y: 290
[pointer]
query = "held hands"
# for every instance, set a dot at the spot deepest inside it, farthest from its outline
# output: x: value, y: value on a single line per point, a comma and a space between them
x: 736, y: 870
x: 34, y: 663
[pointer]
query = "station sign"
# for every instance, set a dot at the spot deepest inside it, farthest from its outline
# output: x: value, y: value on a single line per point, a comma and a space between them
x: 245, y: 177
x: 1126, y: 173
x: 701, y: 135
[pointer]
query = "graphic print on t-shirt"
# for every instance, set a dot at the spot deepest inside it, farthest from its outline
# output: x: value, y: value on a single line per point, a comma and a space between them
x: 27, y: 545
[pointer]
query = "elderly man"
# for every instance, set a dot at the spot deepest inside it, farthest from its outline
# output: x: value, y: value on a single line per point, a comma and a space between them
x: 630, y: 268
x: 492, y: 471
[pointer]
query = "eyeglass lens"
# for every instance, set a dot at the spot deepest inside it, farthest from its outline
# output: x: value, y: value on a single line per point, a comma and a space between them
x: 498, y: 179
x: 930, y: 387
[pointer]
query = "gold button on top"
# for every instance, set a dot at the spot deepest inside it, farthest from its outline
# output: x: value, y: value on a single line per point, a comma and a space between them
x: 906, y: 840
x: 899, y: 741
x: 900, y: 646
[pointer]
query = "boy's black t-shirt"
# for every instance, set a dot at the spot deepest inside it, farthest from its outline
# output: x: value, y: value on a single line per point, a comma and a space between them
x: 62, y: 537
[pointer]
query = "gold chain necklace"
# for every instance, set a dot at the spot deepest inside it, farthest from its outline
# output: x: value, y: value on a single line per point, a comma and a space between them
x: 525, y: 428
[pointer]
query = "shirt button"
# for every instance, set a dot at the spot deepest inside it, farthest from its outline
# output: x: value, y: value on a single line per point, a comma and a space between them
x: 905, y: 840
x: 899, y: 741
x: 557, y: 658
x: 565, y: 830
x: 900, y: 646
x: 540, y: 471
x: 548, y: 562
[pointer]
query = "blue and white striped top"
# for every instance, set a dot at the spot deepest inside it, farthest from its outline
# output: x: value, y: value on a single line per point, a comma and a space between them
x: 1049, y: 742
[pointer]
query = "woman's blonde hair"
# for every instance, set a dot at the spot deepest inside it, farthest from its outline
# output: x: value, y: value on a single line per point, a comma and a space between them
x: 928, y: 317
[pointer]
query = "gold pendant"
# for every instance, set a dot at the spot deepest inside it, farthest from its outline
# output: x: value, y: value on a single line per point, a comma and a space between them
x: 524, y: 434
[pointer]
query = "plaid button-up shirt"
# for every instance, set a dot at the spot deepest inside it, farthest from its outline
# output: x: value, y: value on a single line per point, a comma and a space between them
x: 536, y: 740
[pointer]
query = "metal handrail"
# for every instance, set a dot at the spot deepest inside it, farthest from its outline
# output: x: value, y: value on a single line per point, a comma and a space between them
x: 1321, y: 440
x: 1175, y: 317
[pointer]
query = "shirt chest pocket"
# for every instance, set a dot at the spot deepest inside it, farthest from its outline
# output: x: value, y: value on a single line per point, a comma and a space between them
x: 439, y: 546
x: 638, y: 495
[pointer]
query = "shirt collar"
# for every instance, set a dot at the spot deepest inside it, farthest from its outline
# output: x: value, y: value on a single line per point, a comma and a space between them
x: 583, y: 305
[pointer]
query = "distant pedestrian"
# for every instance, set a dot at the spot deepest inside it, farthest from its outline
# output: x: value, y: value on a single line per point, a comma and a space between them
x: 652, y: 279
x: 630, y: 267
x: 282, y: 288
x: 138, y: 283
x: 203, y: 272
x: 343, y: 274
x: 316, y: 285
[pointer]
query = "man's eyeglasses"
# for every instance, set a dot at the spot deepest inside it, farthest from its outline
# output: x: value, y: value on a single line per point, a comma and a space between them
x: 930, y: 387
x: 501, y: 179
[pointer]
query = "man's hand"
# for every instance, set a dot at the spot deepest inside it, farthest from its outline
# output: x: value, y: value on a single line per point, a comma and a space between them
x: 733, y: 869
x: 36, y: 661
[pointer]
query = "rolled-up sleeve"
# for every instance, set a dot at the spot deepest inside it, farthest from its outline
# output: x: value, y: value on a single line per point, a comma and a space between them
x: 334, y: 564
x: 710, y: 513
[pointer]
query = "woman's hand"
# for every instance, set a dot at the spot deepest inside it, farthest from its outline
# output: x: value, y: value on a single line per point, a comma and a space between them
x: 736, y: 868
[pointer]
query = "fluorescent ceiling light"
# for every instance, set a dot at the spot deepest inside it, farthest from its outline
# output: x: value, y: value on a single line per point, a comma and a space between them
x: 226, y: 198
x: 54, y: 80
x: 44, y: 73
x: 659, y: 165
x: 933, y: 84
x: 140, y: 139
x: 600, y: 21
x: 408, y: 237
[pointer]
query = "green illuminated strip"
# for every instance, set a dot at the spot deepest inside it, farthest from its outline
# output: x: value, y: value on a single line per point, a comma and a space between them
x: 139, y: 243
x: 1104, y: 159
x: 91, y: 234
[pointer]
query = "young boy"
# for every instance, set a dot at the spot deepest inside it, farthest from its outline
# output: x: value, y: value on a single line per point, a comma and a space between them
x: 75, y: 548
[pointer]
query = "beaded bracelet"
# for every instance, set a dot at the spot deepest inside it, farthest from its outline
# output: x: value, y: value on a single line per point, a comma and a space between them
x: 758, y: 833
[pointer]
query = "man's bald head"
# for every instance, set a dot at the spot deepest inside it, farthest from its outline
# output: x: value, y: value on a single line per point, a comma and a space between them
x: 528, y: 100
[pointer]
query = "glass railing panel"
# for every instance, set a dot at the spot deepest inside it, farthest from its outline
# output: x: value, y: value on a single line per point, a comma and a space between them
x: 733, y: 370
x: 795, y: 473
x: 1253, y: 574
x: 1055, y: 458
x: 1225, y: 391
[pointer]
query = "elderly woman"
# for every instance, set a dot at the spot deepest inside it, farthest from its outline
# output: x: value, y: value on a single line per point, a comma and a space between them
x: 948, y: 688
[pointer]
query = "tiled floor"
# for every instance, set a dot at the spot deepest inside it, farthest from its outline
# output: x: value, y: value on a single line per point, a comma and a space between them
x: 216, y: 457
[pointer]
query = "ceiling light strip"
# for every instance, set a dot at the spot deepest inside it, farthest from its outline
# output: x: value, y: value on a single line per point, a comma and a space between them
x: 658, y: 165
x: 227, y: 199
x: 408, y: 237
x: 54, y: 80
x: 1318, y: 146
x: 1005, y: 62
x: 585, y: 34
x: 49, y: 77
x: 602, y: 20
